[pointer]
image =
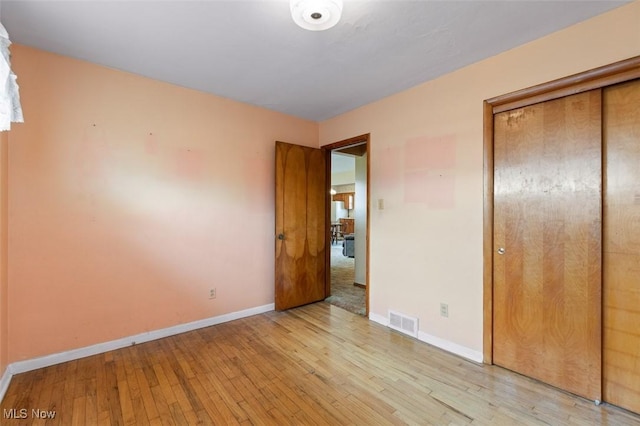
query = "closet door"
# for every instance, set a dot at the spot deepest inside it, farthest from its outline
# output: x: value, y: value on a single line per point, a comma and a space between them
x: 621, y: 357
x: 547, y: 242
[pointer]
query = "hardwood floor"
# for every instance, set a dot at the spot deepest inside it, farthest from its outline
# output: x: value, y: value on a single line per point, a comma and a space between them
x: 318, y: 364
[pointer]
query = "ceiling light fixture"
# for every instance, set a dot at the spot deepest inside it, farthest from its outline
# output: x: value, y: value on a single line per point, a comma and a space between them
x: 316, y: 15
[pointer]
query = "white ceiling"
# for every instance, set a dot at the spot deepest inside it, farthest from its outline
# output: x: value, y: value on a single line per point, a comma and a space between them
x: 252, y: 51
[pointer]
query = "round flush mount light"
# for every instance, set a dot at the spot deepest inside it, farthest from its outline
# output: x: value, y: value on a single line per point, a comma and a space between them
x: 316, y: 15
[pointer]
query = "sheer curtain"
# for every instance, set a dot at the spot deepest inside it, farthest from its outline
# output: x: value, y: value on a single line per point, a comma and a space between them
x: 10, y: 109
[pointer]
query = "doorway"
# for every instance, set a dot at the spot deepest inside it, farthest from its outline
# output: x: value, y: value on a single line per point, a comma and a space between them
x: 348, y: 219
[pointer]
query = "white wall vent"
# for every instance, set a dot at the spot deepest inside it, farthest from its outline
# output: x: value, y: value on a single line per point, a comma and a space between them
x: 403, y: 323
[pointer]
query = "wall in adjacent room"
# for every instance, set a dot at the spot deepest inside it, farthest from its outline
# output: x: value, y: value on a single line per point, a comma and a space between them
x: 360, y: 222
x: 427, y: 166
x: 129, y: 199
x: 343, y: 178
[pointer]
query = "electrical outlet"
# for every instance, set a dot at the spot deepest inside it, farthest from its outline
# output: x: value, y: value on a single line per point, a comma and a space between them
x: 212, y: 293
x: 444, y: 310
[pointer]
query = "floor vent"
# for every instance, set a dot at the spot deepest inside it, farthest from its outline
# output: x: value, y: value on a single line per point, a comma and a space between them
x: 403, y: 323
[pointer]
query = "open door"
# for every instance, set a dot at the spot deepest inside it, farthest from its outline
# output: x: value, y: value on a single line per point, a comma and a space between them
x: 301, y: 229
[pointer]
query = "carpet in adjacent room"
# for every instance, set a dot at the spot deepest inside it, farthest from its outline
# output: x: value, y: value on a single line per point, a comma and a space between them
x: 343, y: 293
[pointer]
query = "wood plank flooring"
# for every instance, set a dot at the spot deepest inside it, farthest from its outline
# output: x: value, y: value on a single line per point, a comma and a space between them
x: 318, y: 364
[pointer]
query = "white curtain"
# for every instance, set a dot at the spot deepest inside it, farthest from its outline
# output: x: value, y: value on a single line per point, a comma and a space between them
x: 10, y: 109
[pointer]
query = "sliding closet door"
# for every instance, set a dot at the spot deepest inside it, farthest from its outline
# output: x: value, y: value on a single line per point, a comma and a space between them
x: 547, y: 242
x: 621, y: 366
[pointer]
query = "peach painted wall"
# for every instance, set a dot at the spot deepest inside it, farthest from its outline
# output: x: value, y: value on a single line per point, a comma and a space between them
x: 427, y: 165
x: 129, y: 199
x: 4, y: 288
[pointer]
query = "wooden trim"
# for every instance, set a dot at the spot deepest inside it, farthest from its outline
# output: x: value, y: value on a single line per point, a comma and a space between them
x: 487, y: 285
x: 327, y: 221
x: 597, y: 78
x: 366, y: 295
x: 618, y: 72
x: 365, y: 138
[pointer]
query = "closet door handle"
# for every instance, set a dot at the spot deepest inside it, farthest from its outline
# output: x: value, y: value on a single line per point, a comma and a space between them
x: 501, y: 250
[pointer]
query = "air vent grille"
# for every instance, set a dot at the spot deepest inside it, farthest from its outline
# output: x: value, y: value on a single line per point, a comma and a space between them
x: 403, y: 323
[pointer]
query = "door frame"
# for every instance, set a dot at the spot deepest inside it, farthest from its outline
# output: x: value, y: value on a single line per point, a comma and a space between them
x: 618, y: 72
x: 365, y: 138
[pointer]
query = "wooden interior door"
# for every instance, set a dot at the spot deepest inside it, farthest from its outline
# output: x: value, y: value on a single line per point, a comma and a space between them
x: 547, y: 242
x: 621, y: 357
x: 301, y: 229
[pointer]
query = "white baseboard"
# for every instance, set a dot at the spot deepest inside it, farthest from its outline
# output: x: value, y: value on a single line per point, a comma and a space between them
x: 379, y: 319
x: 452, y: 347
x: 438, y: 342
x: 48, y: 360
x: 4, y: 382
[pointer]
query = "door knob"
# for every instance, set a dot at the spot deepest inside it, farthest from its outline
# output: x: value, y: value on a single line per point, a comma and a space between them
x: 281, y: 236
x: 501, y: 250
